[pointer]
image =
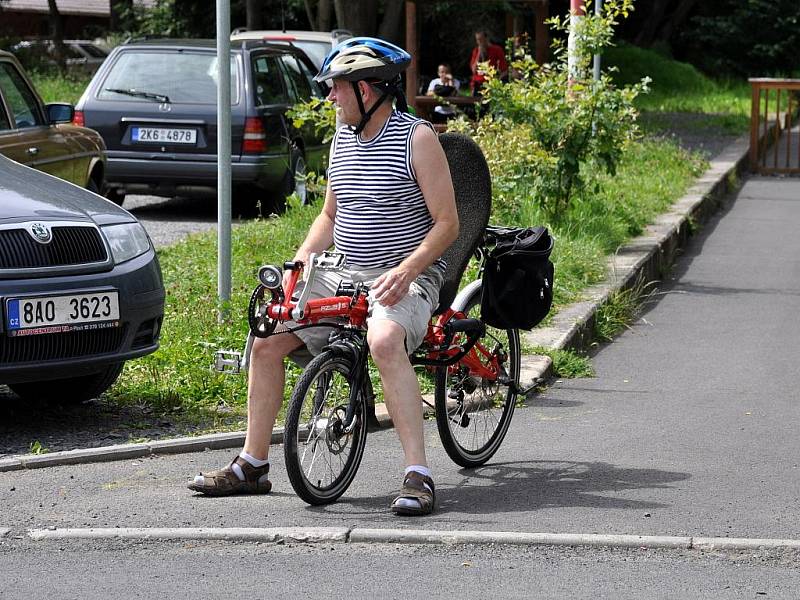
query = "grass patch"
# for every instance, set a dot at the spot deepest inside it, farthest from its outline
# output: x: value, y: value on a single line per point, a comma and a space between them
x: 567, y: 364
x: 676, y: 86
x: 179, y: 375
x: 53, y: 87
x: 620, y: 310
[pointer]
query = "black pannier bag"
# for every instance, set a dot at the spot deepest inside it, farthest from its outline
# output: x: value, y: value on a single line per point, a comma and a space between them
x: 517, y: 278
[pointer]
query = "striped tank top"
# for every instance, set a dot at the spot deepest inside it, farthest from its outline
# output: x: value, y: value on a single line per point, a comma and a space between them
x: 381, y: 215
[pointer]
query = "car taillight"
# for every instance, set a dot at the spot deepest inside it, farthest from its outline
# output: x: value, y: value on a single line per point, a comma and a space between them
x: 255, y: 136
x: 77, y: 119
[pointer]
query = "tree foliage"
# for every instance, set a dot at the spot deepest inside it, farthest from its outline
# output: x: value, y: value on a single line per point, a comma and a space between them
x: 745, y: 37
x: 569, y: 121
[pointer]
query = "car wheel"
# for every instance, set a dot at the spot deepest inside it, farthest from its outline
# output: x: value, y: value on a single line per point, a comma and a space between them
x: 115, y: 195
x: 70, y: 390
x: 93, y: 186
x: 297, y: 183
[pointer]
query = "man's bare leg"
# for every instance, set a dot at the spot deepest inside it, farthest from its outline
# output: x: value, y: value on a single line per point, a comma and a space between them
x: 400, y: 387
x: 266, y: 379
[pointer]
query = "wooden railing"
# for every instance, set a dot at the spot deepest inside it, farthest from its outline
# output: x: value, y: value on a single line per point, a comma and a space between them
x: 775, y: 126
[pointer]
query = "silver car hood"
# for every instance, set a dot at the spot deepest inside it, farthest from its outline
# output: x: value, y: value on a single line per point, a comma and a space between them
x: 27, y: 194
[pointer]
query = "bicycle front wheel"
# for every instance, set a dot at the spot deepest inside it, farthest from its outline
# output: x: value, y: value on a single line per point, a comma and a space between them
x: 473, y: 412
x: 322, y: 455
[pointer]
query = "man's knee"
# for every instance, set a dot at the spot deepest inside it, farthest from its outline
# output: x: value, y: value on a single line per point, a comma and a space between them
x: 273, y: 349
x: 386, y: 341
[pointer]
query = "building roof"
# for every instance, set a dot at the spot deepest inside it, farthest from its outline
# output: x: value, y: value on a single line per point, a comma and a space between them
x: 96, y: 8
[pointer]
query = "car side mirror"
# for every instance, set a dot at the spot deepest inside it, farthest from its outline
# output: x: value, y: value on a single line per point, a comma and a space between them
x: 59, y: 112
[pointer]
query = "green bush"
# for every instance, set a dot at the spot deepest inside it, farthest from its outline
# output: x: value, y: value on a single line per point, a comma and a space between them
x: 570, y: 120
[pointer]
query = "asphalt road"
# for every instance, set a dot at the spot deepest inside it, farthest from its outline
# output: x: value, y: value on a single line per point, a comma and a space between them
x: 224, y: 570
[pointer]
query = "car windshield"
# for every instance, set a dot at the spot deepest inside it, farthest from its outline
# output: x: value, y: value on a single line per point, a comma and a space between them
x: 183, y: 77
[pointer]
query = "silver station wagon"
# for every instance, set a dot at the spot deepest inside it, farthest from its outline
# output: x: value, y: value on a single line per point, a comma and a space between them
x: 80, y: 288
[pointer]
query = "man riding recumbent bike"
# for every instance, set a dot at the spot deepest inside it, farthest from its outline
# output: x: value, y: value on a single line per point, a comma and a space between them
x: 472, y: 344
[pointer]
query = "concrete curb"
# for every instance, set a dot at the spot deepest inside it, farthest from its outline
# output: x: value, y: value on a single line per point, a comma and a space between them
x: 316, y: 535
x: 644, y: 259
x: 419, y: 536
x: 244, y: 534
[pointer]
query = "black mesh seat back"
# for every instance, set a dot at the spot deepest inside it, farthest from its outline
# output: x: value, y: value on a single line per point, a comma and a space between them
x: 473, y: 187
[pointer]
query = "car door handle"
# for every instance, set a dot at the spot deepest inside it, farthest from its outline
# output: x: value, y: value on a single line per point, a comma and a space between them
x: 33, y: 151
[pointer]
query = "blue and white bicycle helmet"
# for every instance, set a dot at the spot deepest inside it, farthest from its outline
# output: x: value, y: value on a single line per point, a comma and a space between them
x: 375, y: 61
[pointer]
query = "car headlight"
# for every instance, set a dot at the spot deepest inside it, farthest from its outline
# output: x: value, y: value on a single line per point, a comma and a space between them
x: 127, y: 241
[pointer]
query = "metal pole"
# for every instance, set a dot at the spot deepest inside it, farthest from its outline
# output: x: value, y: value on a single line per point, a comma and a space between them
x: 598, y: 10
x: 223, y: 156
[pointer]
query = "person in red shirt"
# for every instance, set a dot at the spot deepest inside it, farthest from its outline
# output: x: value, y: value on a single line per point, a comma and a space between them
x: 485, y: 51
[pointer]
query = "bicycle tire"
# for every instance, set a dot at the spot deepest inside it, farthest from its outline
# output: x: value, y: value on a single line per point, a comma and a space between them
x: 472, y: 429
x: 312, y: 426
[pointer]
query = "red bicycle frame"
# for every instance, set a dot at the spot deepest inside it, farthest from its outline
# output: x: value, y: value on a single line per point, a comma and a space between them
x: 438, y: 342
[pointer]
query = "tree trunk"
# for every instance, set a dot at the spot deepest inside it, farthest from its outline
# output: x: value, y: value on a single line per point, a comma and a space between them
x: 324, y: 15
x: 321, y: 20
x: 253, y: 12
x: 359, y: 16
x: 391, y: 28
x: 57, y: 33
x: 310, y: 15
x: 652, y: 24
x: 677, y: 19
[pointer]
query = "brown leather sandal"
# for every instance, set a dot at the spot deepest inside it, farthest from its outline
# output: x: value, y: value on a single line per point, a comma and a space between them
x: 419, y: 488
x: 225, y: 482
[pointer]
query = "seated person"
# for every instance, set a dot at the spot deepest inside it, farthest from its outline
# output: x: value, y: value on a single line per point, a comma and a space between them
x: 485, y: 51
x: 444, y: 85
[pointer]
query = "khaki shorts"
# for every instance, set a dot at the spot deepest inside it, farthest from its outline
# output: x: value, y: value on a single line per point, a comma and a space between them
x: 413, y: 312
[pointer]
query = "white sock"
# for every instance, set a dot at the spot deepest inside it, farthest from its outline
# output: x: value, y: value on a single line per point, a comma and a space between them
x: 422, y: 470
x: 413, y: 502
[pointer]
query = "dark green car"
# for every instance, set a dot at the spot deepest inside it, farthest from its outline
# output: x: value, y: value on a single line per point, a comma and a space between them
x: 41, y: 135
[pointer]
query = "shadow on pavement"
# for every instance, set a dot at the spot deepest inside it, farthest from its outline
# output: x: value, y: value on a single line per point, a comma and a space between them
x: 523, y: 487
x: 513, y: 487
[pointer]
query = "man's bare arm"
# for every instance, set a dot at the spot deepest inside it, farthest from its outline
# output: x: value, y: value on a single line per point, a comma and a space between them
x: 320, y: 235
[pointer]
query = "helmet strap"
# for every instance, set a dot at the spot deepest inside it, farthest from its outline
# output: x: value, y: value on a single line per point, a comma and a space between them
x: 366, y: 115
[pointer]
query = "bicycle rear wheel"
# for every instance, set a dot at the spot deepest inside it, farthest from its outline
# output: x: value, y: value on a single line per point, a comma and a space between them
x: 321, y: 456
x: 472, y: 412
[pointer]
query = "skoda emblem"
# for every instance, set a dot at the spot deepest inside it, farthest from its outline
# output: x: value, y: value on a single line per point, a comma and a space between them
x: 41, y: 233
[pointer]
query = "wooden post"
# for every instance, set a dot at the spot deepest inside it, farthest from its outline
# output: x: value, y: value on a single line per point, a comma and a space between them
x: 541, y: 33
x: 755, y: 113
x: 412, y: 47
